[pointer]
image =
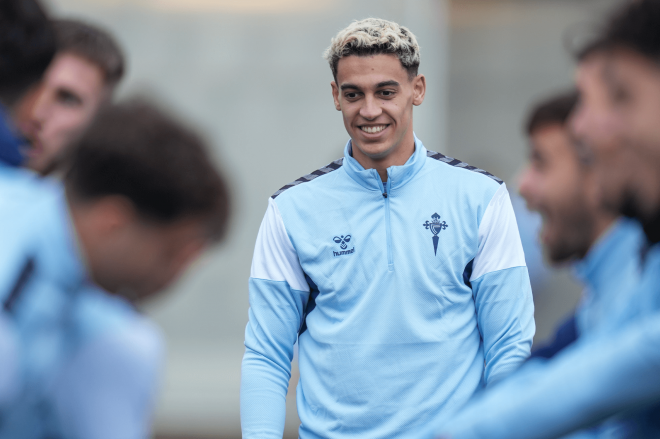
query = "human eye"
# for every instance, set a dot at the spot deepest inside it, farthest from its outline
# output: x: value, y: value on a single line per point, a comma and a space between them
x: 387, y: 93
x: 351, y: 95
x: 68, y: 98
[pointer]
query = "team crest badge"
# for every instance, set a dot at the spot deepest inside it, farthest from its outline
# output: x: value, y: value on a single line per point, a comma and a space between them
x: 436, y: 227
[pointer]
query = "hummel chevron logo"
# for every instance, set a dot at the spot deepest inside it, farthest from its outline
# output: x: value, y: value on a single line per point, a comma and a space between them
x: 343, y: 244
x: 435, y: 226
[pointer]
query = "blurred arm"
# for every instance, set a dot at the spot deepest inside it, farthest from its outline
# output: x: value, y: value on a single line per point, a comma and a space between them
x: 108, y: 390
x: 278, y: 296
x: 587, y: 382
x: 501, y: 290
x: 9, y: 360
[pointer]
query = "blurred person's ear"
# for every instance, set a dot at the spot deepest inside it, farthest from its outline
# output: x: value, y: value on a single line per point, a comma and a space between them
x: 107, y: 215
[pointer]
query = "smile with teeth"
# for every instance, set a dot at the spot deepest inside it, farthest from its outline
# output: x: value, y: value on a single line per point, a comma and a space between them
x: 373, y: 129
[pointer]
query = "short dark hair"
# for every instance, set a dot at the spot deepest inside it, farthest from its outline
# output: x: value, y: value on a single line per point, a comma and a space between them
x: 27, y: 46
x: 636, y: 25
x: 550, y: 111
x: 136, y: 151
x: 92, y: 43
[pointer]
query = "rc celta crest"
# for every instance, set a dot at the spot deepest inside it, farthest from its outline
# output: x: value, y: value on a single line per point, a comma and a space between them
x: 435, y: 226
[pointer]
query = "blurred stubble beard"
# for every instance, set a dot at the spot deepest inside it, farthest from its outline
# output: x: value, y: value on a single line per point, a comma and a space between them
x: 578, y: 224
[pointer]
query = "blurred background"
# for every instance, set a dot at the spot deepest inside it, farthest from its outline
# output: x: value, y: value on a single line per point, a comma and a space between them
x: 249, y: 75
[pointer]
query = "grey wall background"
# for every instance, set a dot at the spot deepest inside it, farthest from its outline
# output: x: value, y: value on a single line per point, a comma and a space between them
x: 249, y: 75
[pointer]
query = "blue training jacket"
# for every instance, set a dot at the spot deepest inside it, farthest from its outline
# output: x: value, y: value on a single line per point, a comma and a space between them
x: 405, y: 297
x: 611, y: 371
x: 88, y: 363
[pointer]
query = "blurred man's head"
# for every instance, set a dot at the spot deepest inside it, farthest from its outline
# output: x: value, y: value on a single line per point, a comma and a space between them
x: 27, y: 47
x: 80, y: 79
x: 596, y: 128
x: 144, y: 198
x: 558, y: 183
x: 374, y: 63
x: 632, y: 77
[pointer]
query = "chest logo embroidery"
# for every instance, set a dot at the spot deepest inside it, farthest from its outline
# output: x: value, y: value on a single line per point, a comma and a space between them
x: 343, y: 244
x: 436, y: 227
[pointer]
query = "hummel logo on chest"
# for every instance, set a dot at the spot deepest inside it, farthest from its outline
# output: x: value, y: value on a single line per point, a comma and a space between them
x: 343, y: 244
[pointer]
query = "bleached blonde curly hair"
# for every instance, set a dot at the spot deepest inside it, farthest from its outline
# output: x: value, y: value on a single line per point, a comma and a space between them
x: 374, y: 36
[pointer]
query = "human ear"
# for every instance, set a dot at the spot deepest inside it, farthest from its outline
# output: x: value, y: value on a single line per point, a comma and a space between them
x: 419, y: 89
x: 335, y: 95
x: 111, y: 213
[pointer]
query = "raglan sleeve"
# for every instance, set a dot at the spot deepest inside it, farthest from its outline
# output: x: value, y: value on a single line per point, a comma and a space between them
x: 501, y: 290
x: 587, y: 382
x: 278, y: 297
x: 108, y: 390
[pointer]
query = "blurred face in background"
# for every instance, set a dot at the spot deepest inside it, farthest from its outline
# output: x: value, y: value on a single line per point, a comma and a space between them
x: 130, y: 255
x: 633, y: 85
x: 558, y: 186
x: 56, y: 112
x: 376, y: 98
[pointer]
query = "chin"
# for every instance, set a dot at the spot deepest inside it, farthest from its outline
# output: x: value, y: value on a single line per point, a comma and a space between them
x: 376, y: 151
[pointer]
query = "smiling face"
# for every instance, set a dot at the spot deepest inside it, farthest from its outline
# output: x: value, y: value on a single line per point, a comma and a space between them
x: 633, y: 83
x: 376, y: 98
x: 57, y: 111
x: 558, y: 186
x: 605, y: 122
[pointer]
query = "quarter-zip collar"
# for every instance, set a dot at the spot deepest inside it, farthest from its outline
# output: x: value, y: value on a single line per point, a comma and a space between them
x: 397, y: 176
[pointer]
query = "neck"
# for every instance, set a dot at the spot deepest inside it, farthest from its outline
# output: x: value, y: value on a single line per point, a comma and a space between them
x: 601, y: 224
x: 397, y: 156
x: 651, y: 228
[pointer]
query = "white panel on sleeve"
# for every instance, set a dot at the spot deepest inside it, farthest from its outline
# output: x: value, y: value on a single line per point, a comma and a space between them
x: 274, y: 256
x: 499, y: 240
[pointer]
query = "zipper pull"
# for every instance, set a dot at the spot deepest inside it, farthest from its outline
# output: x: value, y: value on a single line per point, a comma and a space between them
x: 384, y: 194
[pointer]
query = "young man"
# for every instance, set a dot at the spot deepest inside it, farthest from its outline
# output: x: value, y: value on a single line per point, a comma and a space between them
x: 140, y: 200
x: 398, y: 270
x: 615, y: 371
x: 559, y: 182
x: 81, y: 78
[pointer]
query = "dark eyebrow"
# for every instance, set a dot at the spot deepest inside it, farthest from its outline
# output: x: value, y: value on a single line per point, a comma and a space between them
x: 349, y: 86
x: 390, y: 83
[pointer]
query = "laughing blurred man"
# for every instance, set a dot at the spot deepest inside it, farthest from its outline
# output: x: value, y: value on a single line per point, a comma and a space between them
x: 614, y: 372
x: 140, y: 200
x: 398, y: 270
x: 80, y: 80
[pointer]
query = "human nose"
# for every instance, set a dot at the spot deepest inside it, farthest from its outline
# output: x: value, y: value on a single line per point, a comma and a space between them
x: 370, y: 109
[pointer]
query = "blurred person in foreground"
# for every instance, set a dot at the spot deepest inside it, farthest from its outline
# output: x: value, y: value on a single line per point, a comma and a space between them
x: 139, y: 201
x: 398, y: 270
x: 26, y: 48
x: 81, y: 78
x: 559, y: 182
x: 614, y: 371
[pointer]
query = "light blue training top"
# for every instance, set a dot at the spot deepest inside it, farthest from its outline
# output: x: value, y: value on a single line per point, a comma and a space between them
x: 405, y: 297
x: 609, y: 371
x: 88, y: 363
